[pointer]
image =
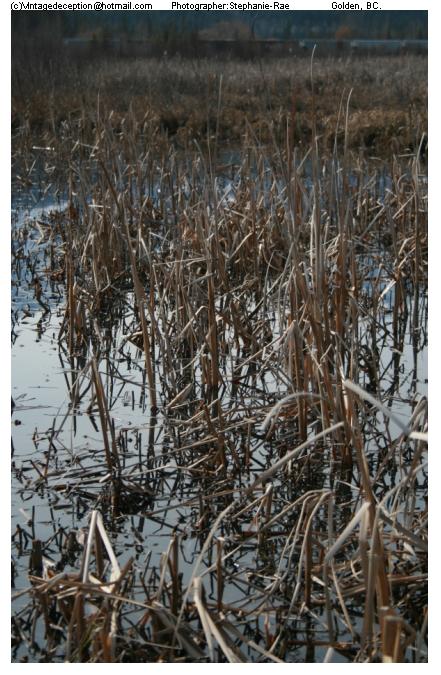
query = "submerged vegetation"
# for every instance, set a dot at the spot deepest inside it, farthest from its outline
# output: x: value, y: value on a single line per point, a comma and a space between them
x: 241, y: 454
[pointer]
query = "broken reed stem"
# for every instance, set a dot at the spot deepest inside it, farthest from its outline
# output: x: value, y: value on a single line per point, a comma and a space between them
x: 110, y: 449
x: 219, y: 573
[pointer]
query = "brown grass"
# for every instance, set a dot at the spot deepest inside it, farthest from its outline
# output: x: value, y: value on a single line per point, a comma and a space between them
x: 269, y: 296
x: 388, y: 109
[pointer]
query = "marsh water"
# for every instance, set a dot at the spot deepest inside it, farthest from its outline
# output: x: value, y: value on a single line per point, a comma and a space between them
x: 59, y: 472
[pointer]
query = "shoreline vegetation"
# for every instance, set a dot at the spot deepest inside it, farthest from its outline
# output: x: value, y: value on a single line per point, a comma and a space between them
x: 195, y: 99
x: 234, y: 287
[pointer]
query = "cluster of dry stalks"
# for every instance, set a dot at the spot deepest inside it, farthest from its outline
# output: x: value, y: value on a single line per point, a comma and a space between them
x: 184, y: 97
x: 266, y: 307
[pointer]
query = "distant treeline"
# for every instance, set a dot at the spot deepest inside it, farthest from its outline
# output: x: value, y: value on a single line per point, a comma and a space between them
x: 245, y: 48
x: 42, y: 37
x: 167, y: 25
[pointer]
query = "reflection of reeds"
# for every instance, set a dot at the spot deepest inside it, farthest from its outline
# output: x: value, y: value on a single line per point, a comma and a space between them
x: 261, y: 315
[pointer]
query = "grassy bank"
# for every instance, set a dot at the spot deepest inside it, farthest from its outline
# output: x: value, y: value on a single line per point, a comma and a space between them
x: 192, y: 98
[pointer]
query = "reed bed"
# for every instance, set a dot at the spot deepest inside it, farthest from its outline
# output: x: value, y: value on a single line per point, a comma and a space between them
x: 388, y: 110
x: 262, y: 313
